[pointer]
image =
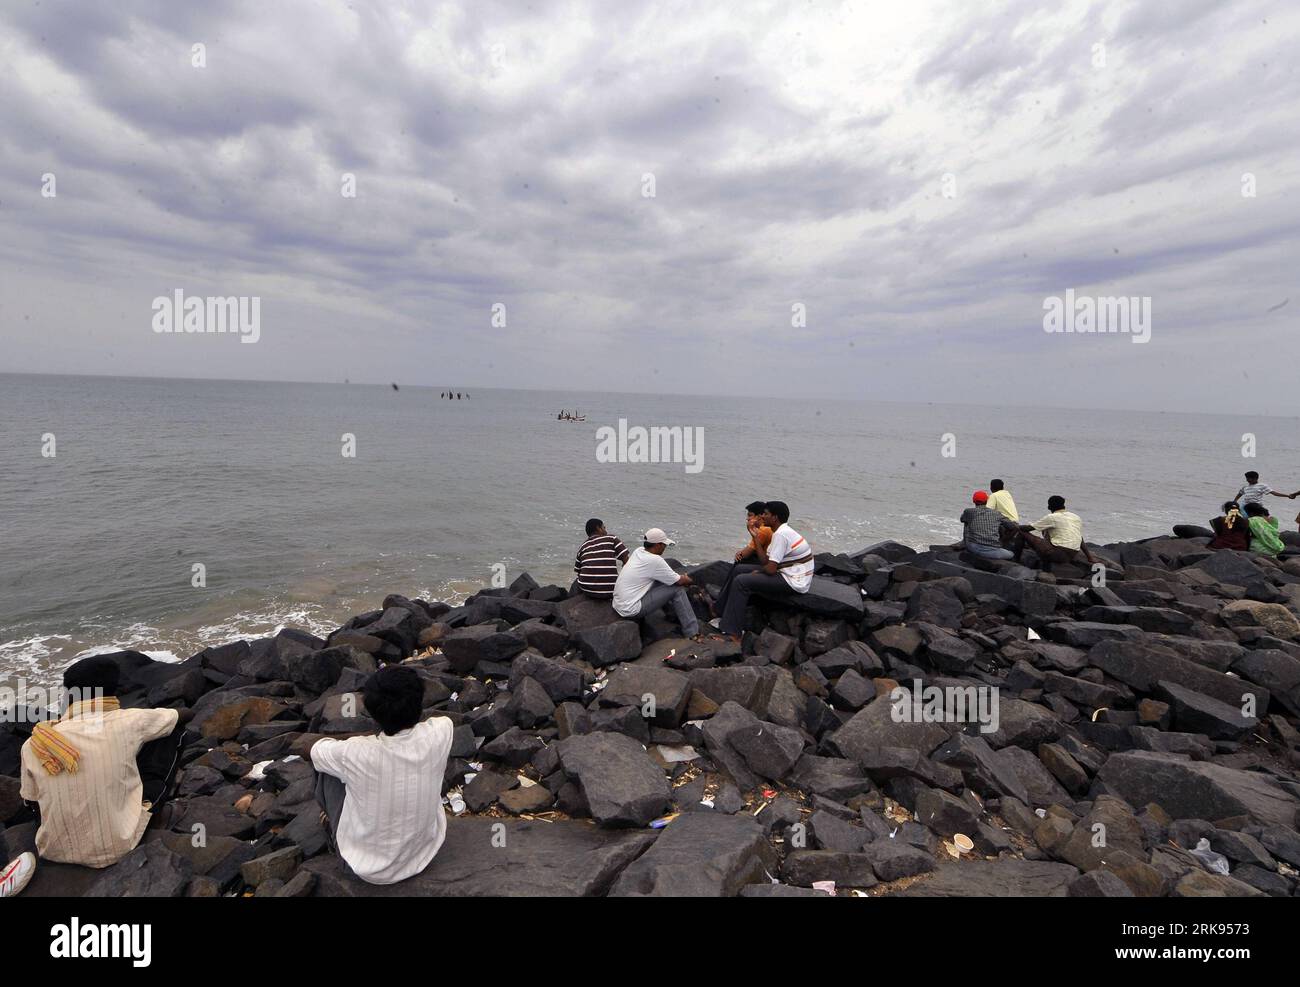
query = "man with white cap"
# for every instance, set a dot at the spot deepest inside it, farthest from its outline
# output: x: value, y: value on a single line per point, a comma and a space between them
x: 648, y: 583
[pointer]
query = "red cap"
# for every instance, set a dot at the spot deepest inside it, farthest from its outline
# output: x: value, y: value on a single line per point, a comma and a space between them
x: 980, y: 497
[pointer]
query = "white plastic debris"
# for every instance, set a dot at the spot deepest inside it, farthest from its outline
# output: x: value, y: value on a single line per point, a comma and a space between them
x: 456, y: 802
x: 1033, y: 636
x: 826, y: 887
x: 258, y: 771
x: 1041, y: 813
x: 1216, y: 863
x: 672, y: 755
x: 707, y: 801
x: 526, y: 782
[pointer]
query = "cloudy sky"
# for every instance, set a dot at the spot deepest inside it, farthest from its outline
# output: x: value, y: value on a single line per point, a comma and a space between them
x: 917, y: 176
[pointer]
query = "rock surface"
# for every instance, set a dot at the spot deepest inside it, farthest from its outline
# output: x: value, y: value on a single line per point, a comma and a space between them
x: 857, y: 732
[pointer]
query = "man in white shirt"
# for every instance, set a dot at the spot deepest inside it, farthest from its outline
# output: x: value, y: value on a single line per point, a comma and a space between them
x: 784, y: 569
x: 382, y: 794
x: 648, y: 583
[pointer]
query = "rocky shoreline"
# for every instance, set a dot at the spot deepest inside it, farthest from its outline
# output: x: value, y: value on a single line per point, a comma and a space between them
x: 1121, y: 722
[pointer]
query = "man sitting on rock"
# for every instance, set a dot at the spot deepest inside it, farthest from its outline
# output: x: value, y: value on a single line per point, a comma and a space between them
x: 783, y: 569
x: 1000, y: 501
x: 648, y: 583
x: 382, y: 794
x: 1062, y: 539
x: 81, y: 769
x: 598, y: 560
x: 984, y: 529
x: 760, y: 535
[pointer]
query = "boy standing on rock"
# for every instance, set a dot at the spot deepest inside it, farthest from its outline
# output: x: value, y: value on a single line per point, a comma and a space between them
x: 1254, y: 492
x: 784, y: 568
x: 382, y: 795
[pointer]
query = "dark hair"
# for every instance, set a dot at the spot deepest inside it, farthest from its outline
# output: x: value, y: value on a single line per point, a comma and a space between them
x: 394, y: 698
x: 780, y: 509
x: 97, y: 672
x: 650, y: 544
x: 1230, y: 505
x: 995, y: 485
x: 1256, y: 509
x: 757, y: 507
x: 594, y: 524
x: 1252, y: 476
x: 1055, y: 502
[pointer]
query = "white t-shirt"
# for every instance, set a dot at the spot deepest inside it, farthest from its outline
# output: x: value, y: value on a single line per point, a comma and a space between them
x: 789, y: 544
x: 392, y: 823
x: 640, y: 572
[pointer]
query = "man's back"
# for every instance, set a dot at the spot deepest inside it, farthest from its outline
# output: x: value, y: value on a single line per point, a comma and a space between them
x: 1000, y: 501
x: 1065, y: 528
x: 392, y: 823
x: 596, y: 564
x: 982, y: 526
x: 94, y: 815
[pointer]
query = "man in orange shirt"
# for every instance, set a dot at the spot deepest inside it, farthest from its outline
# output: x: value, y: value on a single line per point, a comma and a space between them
x: 760, y: 535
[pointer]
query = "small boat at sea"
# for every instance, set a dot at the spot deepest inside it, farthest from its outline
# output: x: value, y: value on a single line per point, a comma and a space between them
x: 564, y: 416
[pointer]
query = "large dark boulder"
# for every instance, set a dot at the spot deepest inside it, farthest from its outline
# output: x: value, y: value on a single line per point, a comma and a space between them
x: 995, y: 879
x: 1195, y: 789
x: 485, y: 857
x: 466, y: 647
x: 622, y: 785
x: 700, y: 855
x: 151, y: 870
x: 609, y: 644
x: 828, y: 598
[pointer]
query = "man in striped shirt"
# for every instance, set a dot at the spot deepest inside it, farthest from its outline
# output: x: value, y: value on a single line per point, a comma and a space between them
x: 598, y: 560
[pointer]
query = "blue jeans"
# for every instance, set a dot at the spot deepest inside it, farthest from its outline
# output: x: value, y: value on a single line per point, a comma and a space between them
x: 988, y: 551
x: 659, y: 596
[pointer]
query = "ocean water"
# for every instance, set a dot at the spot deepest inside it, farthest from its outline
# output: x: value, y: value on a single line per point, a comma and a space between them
x: 150, y: 477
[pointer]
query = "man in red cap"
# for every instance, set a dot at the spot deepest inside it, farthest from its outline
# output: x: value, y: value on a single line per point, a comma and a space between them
x: 983, y: 529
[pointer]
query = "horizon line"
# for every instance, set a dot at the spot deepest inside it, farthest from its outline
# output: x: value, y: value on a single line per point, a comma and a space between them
x: 689, y: 394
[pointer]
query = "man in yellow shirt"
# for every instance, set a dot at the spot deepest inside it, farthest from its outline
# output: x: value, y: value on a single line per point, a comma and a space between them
x: 1000, y: 501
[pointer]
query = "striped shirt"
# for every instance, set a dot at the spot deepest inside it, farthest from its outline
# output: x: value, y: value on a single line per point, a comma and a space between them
x: 788, y: 545
x: 596, y: 565
x: 392, y: 823
x: 1253, y: 493
x: 96, y: 815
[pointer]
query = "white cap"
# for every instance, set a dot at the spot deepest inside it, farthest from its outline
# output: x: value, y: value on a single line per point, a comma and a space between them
x: 657, y: 536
